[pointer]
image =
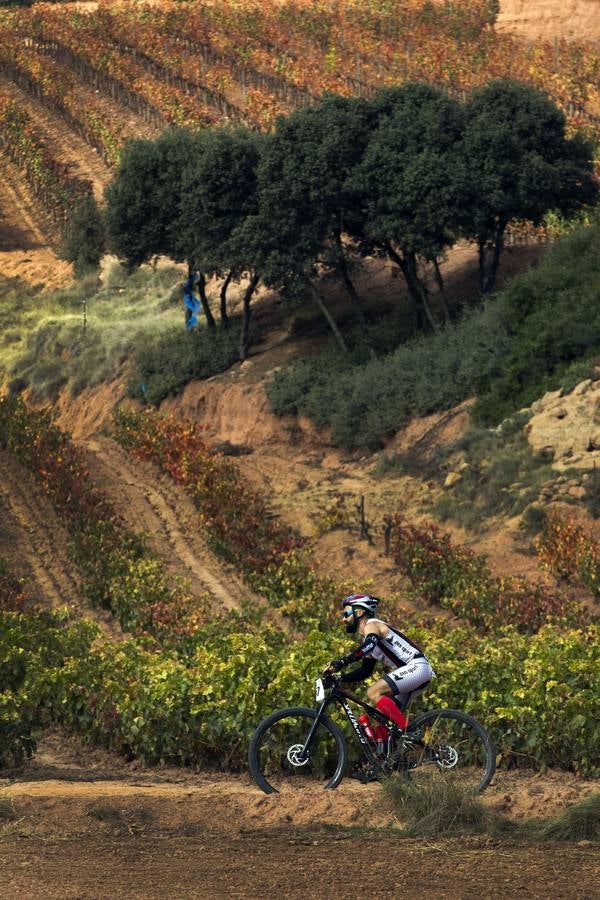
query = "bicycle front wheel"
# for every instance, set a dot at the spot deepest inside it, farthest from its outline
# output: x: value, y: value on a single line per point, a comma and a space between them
x: 281, y: 760
x: 449, y: 744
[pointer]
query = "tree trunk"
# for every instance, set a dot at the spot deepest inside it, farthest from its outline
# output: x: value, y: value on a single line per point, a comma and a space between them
x: 246, y: 316
x: 210, y: 319
x: 352, y: 293
x: 224, y: 316
x: 481, y: 241
x: 490, y: 280
x: 439, y: 278
x: 416, y: 288
x: 330, y: 320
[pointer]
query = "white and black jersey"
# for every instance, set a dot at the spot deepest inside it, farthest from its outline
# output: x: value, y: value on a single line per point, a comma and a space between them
x: 395, y: 649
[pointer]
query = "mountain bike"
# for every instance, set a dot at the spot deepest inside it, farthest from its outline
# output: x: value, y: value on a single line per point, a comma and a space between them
x: 298, y: 747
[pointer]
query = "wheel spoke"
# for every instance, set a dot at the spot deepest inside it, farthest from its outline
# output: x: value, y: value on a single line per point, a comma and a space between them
x: 450, y: 745
x: 279, y: 755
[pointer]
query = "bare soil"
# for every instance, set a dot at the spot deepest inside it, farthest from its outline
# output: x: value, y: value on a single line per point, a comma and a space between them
x: 84, y: 824
x: 154, y: 505
x: 24, y: 230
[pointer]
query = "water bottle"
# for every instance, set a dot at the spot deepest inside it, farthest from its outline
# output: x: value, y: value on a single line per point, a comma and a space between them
x: 365, y: 724
x: 382, y: 733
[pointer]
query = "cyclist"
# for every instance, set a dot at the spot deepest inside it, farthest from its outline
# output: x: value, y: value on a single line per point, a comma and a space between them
x: 409, y: 669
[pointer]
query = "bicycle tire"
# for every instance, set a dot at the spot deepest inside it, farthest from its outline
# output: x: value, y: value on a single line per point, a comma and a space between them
x: 256, y: 763
x: 488, y: 766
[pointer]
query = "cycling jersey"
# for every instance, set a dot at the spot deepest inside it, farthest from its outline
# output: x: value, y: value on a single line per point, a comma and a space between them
x: 394, y: 650
x: 409, y: 669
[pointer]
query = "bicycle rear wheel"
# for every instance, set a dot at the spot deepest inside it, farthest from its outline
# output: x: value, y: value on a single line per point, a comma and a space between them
x: 451, y: 744
x: 275, y: 753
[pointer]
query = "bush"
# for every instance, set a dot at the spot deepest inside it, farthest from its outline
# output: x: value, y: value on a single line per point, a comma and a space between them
x: 34, y: 651
x: 439, y: 807
x: 362, y: 402
x: 500, y: 474
x: 541, y: 334
x: 84, y: 239
x: 459, y: 580
x: 578, y: 822
x: 535, y: 694
x: 164, y: 365
x: 566, y: 550
x: 554, y: 311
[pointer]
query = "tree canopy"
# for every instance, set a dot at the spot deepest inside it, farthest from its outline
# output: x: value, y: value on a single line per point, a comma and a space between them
x: 412, y: 179
x: 143, y: 199
x: 521, y: 165
x: 401, y: 174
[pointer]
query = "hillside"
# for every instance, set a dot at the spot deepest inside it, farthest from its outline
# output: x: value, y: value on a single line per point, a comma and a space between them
x: 151, y: 79
x: 170, y: 572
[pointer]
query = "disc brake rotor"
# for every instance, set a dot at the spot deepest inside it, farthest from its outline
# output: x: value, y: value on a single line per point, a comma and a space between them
x: 448, y: 757
x: 295, y: 757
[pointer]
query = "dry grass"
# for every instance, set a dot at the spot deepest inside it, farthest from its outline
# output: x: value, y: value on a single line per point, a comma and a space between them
x: 578, y: 822
x: 440, y: 807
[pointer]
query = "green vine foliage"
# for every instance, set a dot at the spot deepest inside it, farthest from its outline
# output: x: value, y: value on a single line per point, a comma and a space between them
x: 190, y: 691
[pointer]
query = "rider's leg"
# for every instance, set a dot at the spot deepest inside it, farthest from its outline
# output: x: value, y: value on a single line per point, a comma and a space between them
x: 401, y: 682
x: 380, y: 695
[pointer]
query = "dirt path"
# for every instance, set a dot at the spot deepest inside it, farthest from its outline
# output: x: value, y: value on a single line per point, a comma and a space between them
x: 35, y: 544
x: 291, y: 863
x: 82, y: 823
x: 154, y: 504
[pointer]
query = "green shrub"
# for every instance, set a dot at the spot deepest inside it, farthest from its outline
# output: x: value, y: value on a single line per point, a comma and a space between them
x: 84, y: 238
x: 540, y: 334
x: 499, y: 475
x: 34, y: 652
x: 364, y: 401
x: 554, y: 311
x: 165, y: 364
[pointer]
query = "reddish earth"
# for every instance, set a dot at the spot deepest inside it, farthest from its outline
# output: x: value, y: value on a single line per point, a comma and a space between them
x: 83, y: 824
x: 547, y: 19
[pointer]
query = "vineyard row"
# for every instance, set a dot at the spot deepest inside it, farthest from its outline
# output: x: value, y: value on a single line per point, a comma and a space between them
x: 50, y: 180
x: 251, y: 63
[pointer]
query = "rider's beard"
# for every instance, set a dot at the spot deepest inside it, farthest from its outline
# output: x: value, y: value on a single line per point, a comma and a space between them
x: 351, y: 628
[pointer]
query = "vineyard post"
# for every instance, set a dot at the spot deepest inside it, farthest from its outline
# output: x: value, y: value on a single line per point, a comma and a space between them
x: 387, y: 534
x: 84, y: 310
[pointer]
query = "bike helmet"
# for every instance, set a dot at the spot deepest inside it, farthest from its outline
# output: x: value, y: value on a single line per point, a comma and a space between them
x: 362, y: 601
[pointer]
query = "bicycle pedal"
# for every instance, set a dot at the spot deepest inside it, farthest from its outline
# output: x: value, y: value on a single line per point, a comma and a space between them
x: 365, y: 777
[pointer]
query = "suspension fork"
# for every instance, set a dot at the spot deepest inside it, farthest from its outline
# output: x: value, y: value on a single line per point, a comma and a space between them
x: 321, y: 709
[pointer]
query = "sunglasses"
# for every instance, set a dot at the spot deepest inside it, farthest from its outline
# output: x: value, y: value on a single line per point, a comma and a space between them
x: 347, y: 613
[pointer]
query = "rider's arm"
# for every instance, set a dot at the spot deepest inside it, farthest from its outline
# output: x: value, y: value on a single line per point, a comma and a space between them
x: 360, y: 672
x: 368, y: 645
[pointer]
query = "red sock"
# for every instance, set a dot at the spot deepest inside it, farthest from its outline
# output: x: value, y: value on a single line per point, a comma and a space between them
x: 387, y: 706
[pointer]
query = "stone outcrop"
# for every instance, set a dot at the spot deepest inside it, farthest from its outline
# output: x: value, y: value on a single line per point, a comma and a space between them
x: 567, y: 428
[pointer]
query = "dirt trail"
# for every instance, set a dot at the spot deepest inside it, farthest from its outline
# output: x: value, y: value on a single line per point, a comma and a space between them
x: 35, y: 544
x: 82, y: 823
x: 154, y: 504
x: 290, y: 863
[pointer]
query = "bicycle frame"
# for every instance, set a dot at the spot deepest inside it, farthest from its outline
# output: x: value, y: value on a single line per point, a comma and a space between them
x: 339, y: 696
